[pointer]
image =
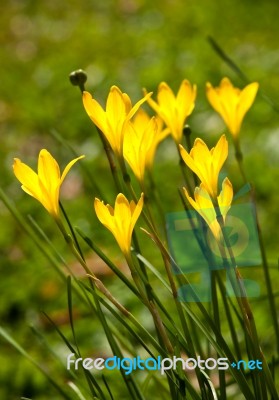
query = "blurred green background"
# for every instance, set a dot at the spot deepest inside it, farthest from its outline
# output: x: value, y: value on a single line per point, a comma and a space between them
x: 133, y: 44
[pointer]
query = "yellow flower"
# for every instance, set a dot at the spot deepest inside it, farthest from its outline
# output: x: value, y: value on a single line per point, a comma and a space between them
x: 204, y: 206
x: 174, y: 110
x: 45, y: 185
x: 120, y: 220
x: 140, y: 122
x: 231, y: 103
x: 113, y: 120
x: 137, y: 144
x: 205, y: 163
x: 142, y: 136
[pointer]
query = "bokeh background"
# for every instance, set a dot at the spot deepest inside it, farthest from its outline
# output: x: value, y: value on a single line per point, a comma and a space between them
x: 133, y: 44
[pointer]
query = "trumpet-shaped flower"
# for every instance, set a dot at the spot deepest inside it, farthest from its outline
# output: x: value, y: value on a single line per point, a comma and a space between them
x: 137, y: 144
x: 140, y: 123
x: 231, y: 103
x: 44, y: 185
x: 141, y: 139
x: 204, y: 206
x: 205, y: 163
x: 121, y: 220
x: 113, y: 120
x: 174, y: 109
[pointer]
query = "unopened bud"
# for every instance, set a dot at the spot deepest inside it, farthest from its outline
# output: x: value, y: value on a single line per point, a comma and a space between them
x: 78, y: 78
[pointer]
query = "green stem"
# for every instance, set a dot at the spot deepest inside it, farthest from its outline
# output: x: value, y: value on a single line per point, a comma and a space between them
x: 267, y: 277
x: 184, y: 173
x: 182, y: 318
x: 150, y: 305
x: 241, y: 296
x: 216, y: 316
x: 110, y: 158
x: 187, y: 134
x: 156, y: 197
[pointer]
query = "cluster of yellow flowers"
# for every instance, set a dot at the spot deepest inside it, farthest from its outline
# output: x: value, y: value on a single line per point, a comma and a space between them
x: 133, y: 136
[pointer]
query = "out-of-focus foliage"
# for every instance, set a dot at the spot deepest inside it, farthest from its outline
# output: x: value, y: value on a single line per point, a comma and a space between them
x: 133, y: 44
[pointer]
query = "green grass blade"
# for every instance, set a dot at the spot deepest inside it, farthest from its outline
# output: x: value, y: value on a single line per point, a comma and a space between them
x: 17, y: 346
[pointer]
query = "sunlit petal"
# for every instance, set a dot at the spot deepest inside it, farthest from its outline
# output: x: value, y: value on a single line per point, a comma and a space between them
x: 95, y: 111
x: 103, y: 213
x: 28, y: 178
x: 246, y: 99
x: 138, y: 104
x: 136, y: 211
x: 68, y: 167
x: 48, y: 171
x: 220, y: 154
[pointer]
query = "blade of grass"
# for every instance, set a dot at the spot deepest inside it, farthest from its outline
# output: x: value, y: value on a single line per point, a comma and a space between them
x: 92, y: 383
x: 17, y: 346
x: 107, y: 386
x: 76, y: 390
x: 141, y: 328
x: 86, y: 372
x: 219, y: 344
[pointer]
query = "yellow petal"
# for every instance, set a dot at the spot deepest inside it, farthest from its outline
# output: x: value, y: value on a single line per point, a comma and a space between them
x: 95, y: 111
x: 28, y: 178
x: 131, y: 148
x: 203, y: 199
x: 213, y: 98
x: 138, y: 104
x: 104, y: 214
x: 226, y: 195
x: 48, y: 170
x: 68, y: 167
x: 136, y: 210
x: 200, y: 151
x: 166, y: 96
x: 189, y: 160
x: 127, y: 102
x: 122, y: 212
x: 186, y: 99
x: 246, y: 99
x: 115, y: 107
x: 141, y: 119
x: 49, y: 180
x: 219, y: 154
x: 190, y: 200
x: 198, y: 162
x: 153, y: 104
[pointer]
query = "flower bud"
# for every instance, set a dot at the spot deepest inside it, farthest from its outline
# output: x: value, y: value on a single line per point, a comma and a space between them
x: 78, y: 78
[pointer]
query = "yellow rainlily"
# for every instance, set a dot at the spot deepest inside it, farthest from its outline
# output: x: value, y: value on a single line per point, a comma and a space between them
x: 113, y: 120
x: 137, y: 144
x: 174, y: 109
x: 205, y: 163
x: 140, y: 123
x: 44, y: 185
x: 121, y: 220
x: 141, y: 139
x: 204, y: 206
x: 231, y: 103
